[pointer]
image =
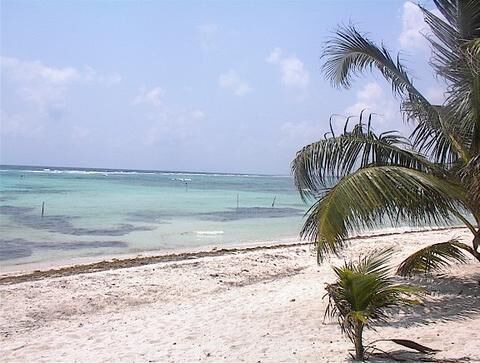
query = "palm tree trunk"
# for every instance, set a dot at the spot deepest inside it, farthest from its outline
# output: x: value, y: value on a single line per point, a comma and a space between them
x: 358, y: 340
x: 476, y: 245
x: 476, y: 235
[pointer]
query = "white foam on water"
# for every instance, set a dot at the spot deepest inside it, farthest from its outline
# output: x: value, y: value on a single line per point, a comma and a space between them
x: 209, y: 233
x: 131, y: 172
x: 82, y: 172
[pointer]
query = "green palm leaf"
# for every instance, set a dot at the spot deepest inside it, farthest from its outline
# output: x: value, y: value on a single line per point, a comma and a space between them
x: 454, y: 59
x: 371, y: 195
x: 433, y: 257
x: 362, y: 294
x: 318, y: 164
x: 434, y: 135
x: 470, y: 176
x: 350, y: 53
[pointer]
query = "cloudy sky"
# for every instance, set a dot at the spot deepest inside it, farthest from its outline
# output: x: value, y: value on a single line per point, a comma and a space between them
x: 187, y: 85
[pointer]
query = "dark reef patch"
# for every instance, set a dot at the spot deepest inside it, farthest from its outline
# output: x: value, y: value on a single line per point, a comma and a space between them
x: 11, y: 249
x: 119, y: 230
x: 11, y: 210
x: 149, y: 216
x: 33, y: 189
x: 63, y: 224
x: 18, y: 247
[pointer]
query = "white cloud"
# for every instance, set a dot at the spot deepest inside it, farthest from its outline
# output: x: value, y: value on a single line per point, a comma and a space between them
x: 36, y: 71
x: 207, y: 34
x: 293, y: 72
x: 37, y: 83
x: 106, y: 79
x: 165, y: 125
x: 37, y: 93
x: 47, y: 86
x: 414, y: 27
x: 274, y: 56
x: 234, y: 83
x: 373, y: 98
x: 371, y: 91
x: 152, y: 96
x: 197, y: 114
x: 295, y: 135
x: 173, y: 128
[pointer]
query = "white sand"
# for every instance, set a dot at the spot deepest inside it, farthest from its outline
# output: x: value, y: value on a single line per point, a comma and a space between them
x: 261, y: 306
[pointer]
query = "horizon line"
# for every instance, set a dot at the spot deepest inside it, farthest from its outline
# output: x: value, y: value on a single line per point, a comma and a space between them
x: 142, y: 170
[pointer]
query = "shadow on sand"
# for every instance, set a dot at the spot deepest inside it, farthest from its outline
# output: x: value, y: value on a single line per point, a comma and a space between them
x: 447, y: 298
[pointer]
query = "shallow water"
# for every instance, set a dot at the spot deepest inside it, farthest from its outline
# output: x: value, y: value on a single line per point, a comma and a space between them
x: 103, y: 212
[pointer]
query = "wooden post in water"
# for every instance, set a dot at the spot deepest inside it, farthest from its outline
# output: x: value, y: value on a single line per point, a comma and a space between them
x: 273, y: 203
x: 43, y: 208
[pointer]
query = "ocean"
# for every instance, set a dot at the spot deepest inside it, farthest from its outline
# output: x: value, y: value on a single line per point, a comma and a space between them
x: 95, y: 212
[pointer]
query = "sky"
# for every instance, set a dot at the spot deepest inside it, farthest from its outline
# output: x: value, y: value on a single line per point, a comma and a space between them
x: 224, y: 86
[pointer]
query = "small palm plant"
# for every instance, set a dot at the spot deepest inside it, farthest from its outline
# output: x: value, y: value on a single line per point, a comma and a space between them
x: 362, y: 294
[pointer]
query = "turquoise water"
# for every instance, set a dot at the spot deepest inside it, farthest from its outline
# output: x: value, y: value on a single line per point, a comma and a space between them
x: 102, y: 212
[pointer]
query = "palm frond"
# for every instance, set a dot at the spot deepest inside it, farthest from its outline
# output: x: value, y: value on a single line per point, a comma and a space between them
x: 319, y: 164
x: 470, y: 176
x: 371, y: 195
x: 448, y: 9
x: 364, y: 290
x: 433, y: 257
x: 473, y: 54
x: 405, y: 343
x: 458, y: 27
x: 467, y: 17
x: 453, y: 58
x: 434, y: 135
x: 349, y: 53
x: 376, y: 262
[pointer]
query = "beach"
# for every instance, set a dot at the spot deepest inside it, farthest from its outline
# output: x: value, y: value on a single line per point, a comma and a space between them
x: 166, y: 168
x: 260, y: 304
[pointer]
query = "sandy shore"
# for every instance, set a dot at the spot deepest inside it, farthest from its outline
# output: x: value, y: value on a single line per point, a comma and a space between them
x: 257, y: 305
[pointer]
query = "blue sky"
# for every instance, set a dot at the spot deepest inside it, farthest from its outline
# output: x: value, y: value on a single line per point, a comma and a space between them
x: 229, y: 86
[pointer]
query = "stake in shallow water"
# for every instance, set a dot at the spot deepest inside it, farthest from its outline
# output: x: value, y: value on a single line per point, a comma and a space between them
x: 43, y: 208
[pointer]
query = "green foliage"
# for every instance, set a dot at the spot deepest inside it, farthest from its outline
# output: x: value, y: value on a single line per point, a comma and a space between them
x: 433, y: 257
x: 341, y: 154
x: 362, y: 294
x: 367, y: 197
x: 432, y: 177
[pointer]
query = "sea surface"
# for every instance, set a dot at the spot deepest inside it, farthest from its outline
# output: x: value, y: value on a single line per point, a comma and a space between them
x: 94, y: 212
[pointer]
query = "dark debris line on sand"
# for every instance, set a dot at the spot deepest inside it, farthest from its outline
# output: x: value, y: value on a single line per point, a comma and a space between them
x: 115, y: 264
x: 148, y: 260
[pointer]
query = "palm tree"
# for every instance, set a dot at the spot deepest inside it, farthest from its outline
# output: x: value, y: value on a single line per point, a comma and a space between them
x: 433, y: 176
x: 361, y: 295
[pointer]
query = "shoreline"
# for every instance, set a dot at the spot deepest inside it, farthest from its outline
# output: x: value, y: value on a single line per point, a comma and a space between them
x: 12, y: 274
x: 263, y: 304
